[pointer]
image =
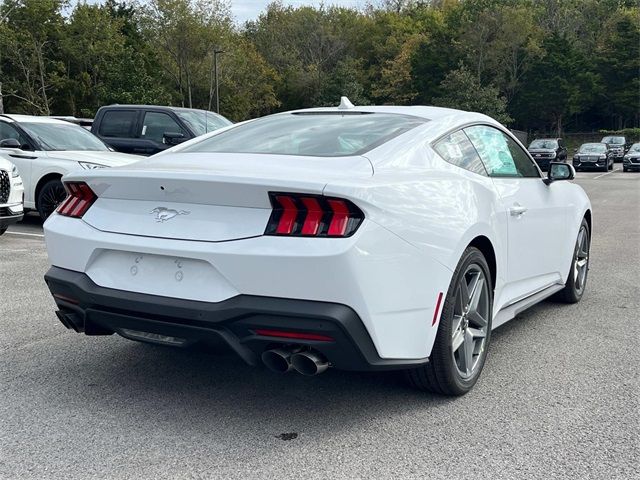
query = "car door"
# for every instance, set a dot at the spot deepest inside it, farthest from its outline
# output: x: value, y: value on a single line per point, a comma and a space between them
x: 119, y: 128
x: 22, y: 157
x: 536, y: 214
x: 154, y: 125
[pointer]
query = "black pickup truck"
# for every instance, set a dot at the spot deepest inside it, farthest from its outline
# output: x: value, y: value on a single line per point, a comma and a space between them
x: 149, y: 129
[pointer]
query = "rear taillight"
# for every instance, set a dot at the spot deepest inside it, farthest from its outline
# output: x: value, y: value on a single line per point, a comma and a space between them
x: 302, y: 215
x: 79, y: 198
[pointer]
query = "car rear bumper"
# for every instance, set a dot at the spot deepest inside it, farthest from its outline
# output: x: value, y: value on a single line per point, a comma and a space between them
x: 391, y: 285
x: 86, y: 307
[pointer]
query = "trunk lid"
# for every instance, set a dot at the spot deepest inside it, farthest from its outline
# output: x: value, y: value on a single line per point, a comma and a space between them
x: 205, y: 197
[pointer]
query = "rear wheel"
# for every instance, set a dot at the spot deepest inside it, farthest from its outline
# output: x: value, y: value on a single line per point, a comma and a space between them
x: 577, y: 279
x: 461, y: 344
x: 50, y: 196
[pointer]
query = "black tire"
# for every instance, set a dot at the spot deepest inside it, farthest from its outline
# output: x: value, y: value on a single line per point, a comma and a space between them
x: 2, y: 230
x: 625, y: 169
x: 574, y: 290
x: 442, y: 375
x: 50, y: 196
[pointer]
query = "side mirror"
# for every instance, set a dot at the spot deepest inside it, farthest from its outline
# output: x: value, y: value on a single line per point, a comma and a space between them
x: 559, y: 171
x: 173, y: 138
x: 10, y: 143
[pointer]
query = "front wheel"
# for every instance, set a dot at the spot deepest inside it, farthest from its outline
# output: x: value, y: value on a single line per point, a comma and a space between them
x: 2, y: 230
x: 461, y: 344
x: 51, y: 195
x: 577, y: 278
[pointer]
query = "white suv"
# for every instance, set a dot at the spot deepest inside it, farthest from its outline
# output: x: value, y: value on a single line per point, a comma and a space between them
x: 11, y: 194
x: 44, y: 149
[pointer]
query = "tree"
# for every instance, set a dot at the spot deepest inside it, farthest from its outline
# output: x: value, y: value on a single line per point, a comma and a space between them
x: 619, y: 61
x: 183, y: 33
x: 28, y: 42
x: 460, y: 89
x: 558, y: 85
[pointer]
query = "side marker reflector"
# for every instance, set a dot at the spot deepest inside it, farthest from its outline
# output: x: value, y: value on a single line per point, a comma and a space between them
x: 436, y: 312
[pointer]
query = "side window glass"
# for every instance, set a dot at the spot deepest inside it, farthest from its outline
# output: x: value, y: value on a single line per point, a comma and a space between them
x: 118, y: 123
x: 156, y: 124
x: 458, y: 150
x: 8, y: 131
x: 502, y: 157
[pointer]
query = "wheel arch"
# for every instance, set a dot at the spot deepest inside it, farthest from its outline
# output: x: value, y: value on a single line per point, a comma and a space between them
x: 42, y: 182
x: 587, y: 217
x: 485, y: 246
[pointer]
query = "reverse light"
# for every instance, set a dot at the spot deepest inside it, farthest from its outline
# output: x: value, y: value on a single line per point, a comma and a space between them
x: 79, y: 198
x: 305, y: 215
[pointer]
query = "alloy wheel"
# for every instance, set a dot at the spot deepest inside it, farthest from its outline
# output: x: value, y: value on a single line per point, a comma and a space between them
x: 52, y: 196
x: 581, y: 260
x: 470, y: 321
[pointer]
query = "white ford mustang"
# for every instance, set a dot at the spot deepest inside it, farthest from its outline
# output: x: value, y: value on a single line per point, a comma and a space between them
x: 361, y: 238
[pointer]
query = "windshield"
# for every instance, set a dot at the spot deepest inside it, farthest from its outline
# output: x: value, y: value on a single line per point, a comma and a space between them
x: 635, y: 147
x: 63, y: 136
x: 320, y: 134
x: 201, y: 121
x: 593, y: 148
x: 544, y: 143
x: 613, y: 140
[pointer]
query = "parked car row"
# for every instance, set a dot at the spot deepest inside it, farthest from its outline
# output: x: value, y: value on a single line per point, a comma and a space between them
x: 589, y: 156
x: 44, y: 149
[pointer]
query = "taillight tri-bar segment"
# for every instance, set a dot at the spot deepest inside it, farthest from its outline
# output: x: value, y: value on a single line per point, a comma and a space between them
x: 79, y: 198
x: 306, y: 215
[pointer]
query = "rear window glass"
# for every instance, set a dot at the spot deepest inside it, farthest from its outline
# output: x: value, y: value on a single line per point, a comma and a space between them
x: 118, y: 123
x: 318, y: 134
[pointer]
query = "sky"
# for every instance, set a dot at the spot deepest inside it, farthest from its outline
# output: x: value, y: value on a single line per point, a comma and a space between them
x: 244, y: 10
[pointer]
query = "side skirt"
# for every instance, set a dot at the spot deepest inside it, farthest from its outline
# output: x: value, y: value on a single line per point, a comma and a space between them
x: 510, y: 311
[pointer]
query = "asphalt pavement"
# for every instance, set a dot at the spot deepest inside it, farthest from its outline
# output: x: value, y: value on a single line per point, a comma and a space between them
x: 558, y: 398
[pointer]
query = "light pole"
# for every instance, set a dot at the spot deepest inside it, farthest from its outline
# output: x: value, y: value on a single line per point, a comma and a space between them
x: 216, y: 52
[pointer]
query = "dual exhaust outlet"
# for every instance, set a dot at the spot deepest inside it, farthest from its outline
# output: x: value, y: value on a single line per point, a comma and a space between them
x: 283, y: 360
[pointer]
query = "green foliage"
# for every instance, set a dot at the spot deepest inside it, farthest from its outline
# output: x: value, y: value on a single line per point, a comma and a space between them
x: 549, y: 65
x: 461, y: 89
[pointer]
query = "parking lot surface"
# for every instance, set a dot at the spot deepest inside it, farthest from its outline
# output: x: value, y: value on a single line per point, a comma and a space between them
x: 558, y: 398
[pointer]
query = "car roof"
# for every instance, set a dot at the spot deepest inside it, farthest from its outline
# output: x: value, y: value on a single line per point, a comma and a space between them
x: 157, y: 107
x: 425, y: 112
x: 547, y: 138
x: 33, y: 119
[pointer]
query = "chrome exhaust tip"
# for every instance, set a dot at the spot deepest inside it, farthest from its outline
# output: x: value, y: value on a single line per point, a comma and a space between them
x: 309, y: 363
x: 277, y: 360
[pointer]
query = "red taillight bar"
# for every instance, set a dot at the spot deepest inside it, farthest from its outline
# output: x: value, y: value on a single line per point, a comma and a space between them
x: 306, y: 215
x: 79, y: 198
x: 293, y: 335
